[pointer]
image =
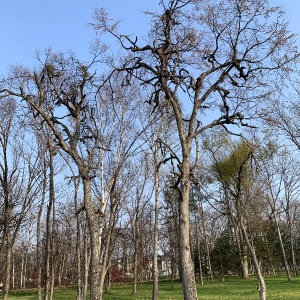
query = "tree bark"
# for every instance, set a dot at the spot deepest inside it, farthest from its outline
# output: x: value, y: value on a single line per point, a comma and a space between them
x: 238, y: 236
x: 199, y: 254
x: 38, y: 233
x: 289, y: 224
x: 108, y: 247
x: 136, y: 243
x: 260, y: 279
x: 286, y: 265
x: 79, y: 295
x: 95, y: 241
x: 155, y: 234
x: 208, y: 262
x: 7, y: 271
x: 86, y: 257
x: 186, y: 263
x: 49, y: 229
x: 242, y: 253
x: 13, y: 271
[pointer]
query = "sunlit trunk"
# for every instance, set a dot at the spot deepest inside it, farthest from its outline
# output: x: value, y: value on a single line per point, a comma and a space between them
x: 107, y: 250
x: 38, y: 233
x: 95, y: 242
x: 186, y: 263
x: 49, y: 230
x: 286, y: 265
x: 260, y: 279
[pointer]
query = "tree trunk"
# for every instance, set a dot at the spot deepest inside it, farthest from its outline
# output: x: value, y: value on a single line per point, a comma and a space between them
x: 286, y: 265
x: 13, y: 271
x: 38, y: 234
x: 49, y: 230
x: 47, y: 256
x: 136, y: 246
x: 108, y: 281
x: 209, y: 269
x: 293, y: 256
x: 135, y: 266
x: 84, y: 261
x: 244, y: 264
x: 78, y: 257
x: 186, y: 263
x: 261, y: 282
x: 7, y: 271
x: 53, y: 271
x: 95, y: 241
x: 79, y: 264
x: 199, y: 255
x: 25, y: 270
x: 108, y: 247
x: 21, y: 275
x: 155, y: 234
x: 61, y: 267
x: 242, y: 250
x: 289, y: 224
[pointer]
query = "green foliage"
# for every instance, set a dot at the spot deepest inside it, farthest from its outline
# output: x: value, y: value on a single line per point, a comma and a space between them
x: 230, y: 167
x: 225, y: 255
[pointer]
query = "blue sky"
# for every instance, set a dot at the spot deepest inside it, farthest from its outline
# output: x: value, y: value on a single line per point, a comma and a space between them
x: 28, y: 25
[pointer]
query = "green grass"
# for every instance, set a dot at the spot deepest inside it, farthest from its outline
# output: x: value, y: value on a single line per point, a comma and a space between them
x: 277, y: 288
x: 234, y: 289
x: 61, y: 294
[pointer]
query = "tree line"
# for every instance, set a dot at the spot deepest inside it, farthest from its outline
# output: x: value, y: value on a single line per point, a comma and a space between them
x: 167, y: 150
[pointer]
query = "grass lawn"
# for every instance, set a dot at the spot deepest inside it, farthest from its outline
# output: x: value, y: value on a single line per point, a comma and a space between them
x: 234, y: 289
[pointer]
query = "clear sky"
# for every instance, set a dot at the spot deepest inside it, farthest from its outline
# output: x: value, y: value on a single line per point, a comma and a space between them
x: 28, y: 25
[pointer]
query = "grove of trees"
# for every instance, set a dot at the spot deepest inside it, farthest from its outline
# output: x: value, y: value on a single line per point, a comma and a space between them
x: 177, y: 156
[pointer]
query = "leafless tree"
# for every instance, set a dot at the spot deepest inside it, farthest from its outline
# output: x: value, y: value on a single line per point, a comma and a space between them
x: 282, y: 183
x: 274, y: 183
x: 205, y: 56
x: 282, y: 119
x: 62, y: 94
x: 19, y: 179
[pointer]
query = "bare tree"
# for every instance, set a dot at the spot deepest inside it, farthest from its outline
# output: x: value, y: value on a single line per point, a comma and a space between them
x: 119, y: 119
x: 61, y: 93
x: 162, y: 125
x: 274, y: 178
x: 205, y: 57
x: 281, y: 175
x: 92, y: 123
x: 19, y: 179
x: 290, y: 202
x: 283, y: 118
